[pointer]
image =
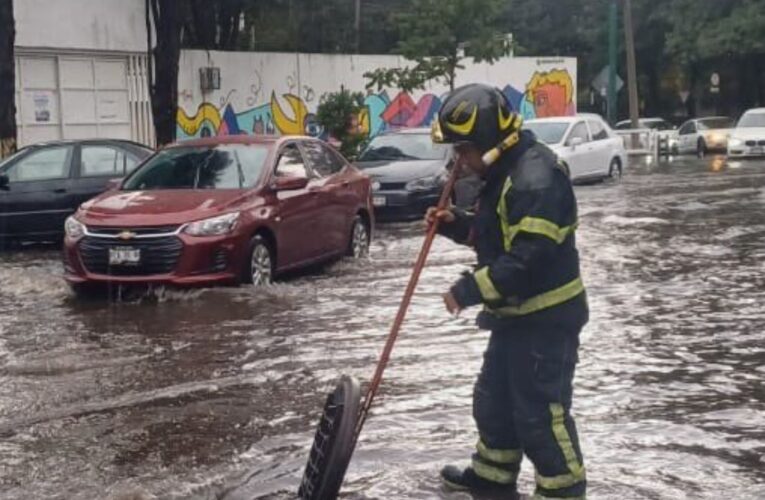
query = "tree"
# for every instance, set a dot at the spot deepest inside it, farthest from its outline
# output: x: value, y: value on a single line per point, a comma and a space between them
x: 213, y: 24
x: 164, y: 18
x: 438, y: 35
x: 7, y: 80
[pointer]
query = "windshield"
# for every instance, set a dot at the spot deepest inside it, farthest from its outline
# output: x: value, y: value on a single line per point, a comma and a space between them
x: 713, y: 123
x: 218, y: 167
x: 751, y: 120
x: 656, y: 124
x: 548, y: 132
x: 404, y: 147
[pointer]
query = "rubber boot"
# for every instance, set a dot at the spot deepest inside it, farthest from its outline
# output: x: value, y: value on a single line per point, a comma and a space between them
x: 457, y: 479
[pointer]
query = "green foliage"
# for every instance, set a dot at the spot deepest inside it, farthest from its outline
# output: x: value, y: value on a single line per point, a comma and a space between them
x: 432, y: 34
x: 337, y: 113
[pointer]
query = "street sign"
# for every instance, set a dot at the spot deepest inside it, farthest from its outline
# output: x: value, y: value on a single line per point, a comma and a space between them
x: 600, y: 82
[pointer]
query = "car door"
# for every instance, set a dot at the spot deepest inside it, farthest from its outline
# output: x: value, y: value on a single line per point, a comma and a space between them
x: 299, y: 230
x: 602, y: 148
x: 579, y: 156
x: 687, y: 137
x: 95, y: 164
x: 35, y: 202
x: 338, y: 200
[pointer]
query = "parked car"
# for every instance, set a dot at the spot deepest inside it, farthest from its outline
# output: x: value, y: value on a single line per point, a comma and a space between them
x: 666, y: 132
x: 43, y: 184
x: 748, y: 138
x: 703, y: 135
x: 408, y: 172
x: 221, y: 210
x: 584, y: 143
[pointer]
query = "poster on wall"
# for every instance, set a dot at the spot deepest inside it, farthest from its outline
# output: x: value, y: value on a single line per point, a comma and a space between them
x: 42, y: 106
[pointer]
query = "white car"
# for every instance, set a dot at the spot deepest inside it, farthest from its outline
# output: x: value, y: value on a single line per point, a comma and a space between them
x: 703, y: 135
x: 584, y: 143
x: 666, y: 131
x: 748, y: 138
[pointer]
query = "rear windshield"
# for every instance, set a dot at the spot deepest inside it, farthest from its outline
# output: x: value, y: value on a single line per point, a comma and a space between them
x: 713, y: 123
x: 751, y: 120
x: 230, y: 166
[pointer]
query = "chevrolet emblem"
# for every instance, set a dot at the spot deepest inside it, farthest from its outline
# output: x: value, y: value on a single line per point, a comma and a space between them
x: 126, y: 235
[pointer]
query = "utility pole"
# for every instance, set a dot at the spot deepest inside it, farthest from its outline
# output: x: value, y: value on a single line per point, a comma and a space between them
x: 7, y: 80
x: 358, y: 26
x: 631, y: 64
x: 613, y: 28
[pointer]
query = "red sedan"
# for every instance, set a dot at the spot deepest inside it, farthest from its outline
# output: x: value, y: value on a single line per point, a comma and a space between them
x: 221, y: 210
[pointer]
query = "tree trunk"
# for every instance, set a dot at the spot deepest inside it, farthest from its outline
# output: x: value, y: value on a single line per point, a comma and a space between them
x: 7, y: 80
x: 167, y: 18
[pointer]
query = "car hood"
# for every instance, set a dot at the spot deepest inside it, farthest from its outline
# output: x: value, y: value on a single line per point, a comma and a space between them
x: 159, y: 207
x: 748, y: 133
x: 401, y: 171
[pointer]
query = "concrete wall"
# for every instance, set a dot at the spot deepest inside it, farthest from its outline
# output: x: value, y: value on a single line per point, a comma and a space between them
x: 107, y: 25
x: 277, y: 93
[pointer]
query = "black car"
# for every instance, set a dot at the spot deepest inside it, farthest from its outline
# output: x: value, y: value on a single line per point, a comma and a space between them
x: 41, y: 185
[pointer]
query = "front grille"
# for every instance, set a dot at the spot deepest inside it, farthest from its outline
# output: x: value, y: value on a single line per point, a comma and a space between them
x: 751, y: 143
x: 392, y: 186
x: 761, y: 143
x: 113, y: 231
x: 158, y: 255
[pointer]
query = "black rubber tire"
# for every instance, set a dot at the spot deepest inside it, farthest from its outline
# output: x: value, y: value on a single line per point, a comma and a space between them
x: 701, y: 149
x: 333, y: 443
x: 615, y: 170
x: 88, y: 291
x: 257, y: 241
x: 350, y: 250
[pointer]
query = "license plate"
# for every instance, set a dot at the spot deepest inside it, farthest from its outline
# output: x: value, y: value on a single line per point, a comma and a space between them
x: 124, y: 255
x: 379, y: 201
x: 758, y: 150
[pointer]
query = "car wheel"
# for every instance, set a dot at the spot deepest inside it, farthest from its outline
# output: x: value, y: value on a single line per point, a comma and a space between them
x: 701, y: 148
x: 358, y: 246
x: 615, y: 169
x: 86, y: 291
x: 260, y: 267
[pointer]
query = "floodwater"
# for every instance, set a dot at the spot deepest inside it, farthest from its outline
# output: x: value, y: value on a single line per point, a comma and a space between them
x: 214, y: 394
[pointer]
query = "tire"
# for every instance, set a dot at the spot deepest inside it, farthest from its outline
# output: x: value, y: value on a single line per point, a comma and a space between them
x: 87, y: 291
x: 333, y: 443
x: 615, y: 169
x: 701, y: 148
x: 259, y: 269
x: 358, y: 244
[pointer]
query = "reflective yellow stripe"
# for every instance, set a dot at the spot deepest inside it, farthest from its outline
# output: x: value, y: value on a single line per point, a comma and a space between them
x: 536, y: 225
x: 577, y: 472
x: 495, y: 474
x: 488, y: 291
x: 543, y: 301
x: 499, y: 456
x: 507, y: 236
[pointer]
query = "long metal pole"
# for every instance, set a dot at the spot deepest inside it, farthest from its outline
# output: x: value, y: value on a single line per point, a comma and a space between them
x: 358, y: 26
x: 613, y: 27
x: 631, y: 64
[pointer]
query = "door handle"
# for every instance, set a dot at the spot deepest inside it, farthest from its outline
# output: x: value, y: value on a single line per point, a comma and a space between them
x: 59, y: 190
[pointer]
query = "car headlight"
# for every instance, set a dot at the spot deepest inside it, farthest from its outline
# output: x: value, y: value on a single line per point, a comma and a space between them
x: 716, y: 137
x: 214, y: 226
x: 735, y: 143
x: 426, y: 183
x: 73, y: 228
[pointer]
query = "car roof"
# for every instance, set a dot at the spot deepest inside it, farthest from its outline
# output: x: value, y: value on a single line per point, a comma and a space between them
x: 67, y: 142
x: 408, y: 131
x: 755, y: 111
x: 712, y: 118
x: 237, y: 139
x: 555, y: 119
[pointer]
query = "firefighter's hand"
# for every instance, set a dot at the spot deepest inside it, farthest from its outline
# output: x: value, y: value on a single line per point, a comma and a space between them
x: 451, y: 304
x: 434, y: 214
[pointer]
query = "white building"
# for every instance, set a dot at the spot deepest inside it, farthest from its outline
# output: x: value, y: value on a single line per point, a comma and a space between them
x: 81, y: 70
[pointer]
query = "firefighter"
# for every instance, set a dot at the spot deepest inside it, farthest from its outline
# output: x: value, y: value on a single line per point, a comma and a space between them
x: 534, y: 301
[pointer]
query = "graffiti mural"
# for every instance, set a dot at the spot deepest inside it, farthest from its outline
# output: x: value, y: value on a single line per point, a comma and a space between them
x: 547, y: 93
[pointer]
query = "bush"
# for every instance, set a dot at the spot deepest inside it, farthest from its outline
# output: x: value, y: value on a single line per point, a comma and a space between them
x: 338, y: 113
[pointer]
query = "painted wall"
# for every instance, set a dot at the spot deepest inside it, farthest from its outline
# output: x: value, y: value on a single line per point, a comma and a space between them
x: 277, y: 93
x: 113, y: 25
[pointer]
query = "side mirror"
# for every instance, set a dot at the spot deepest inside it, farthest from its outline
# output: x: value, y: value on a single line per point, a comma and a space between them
x: 289, y: 183
x: 5, y: 181
x: 113, y: 184
x: 576, y: 141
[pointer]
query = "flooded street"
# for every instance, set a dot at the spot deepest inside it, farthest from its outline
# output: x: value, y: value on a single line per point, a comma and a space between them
x: 214, y: 394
